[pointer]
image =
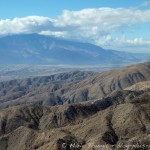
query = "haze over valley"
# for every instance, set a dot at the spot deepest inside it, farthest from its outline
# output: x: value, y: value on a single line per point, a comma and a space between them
x: 29, y: 55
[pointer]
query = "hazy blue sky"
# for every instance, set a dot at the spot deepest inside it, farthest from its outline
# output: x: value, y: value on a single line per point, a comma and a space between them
x: 53, y: 8
x: 112, y: 24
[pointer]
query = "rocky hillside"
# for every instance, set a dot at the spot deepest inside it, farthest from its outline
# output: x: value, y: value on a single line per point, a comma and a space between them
x: 70, y: 87
x: 41, y: 90
x: 112, y: 123
x: 141, y: 86
x: 109, y: 110
x: 105, y: 83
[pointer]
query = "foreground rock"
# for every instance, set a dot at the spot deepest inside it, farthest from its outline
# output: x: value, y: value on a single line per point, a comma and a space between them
x: 114, y: 122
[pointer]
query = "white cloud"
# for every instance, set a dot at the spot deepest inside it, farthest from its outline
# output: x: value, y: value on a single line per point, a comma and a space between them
x: 53, y: 33
x: 103, y: 19
x: 146, y: 3
x: 125, y: 44
x: 122, y: 42
x: 92, y: 25
x: 31, y: 24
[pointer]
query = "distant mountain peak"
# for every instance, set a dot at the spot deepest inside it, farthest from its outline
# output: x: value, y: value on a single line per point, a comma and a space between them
x: 39, y: 49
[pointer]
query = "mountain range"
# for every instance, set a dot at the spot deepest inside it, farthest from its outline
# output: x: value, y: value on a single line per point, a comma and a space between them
x: 45, y: 105
x: 40, y: 49
x: 89, y: 112
x: 71, y: 87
